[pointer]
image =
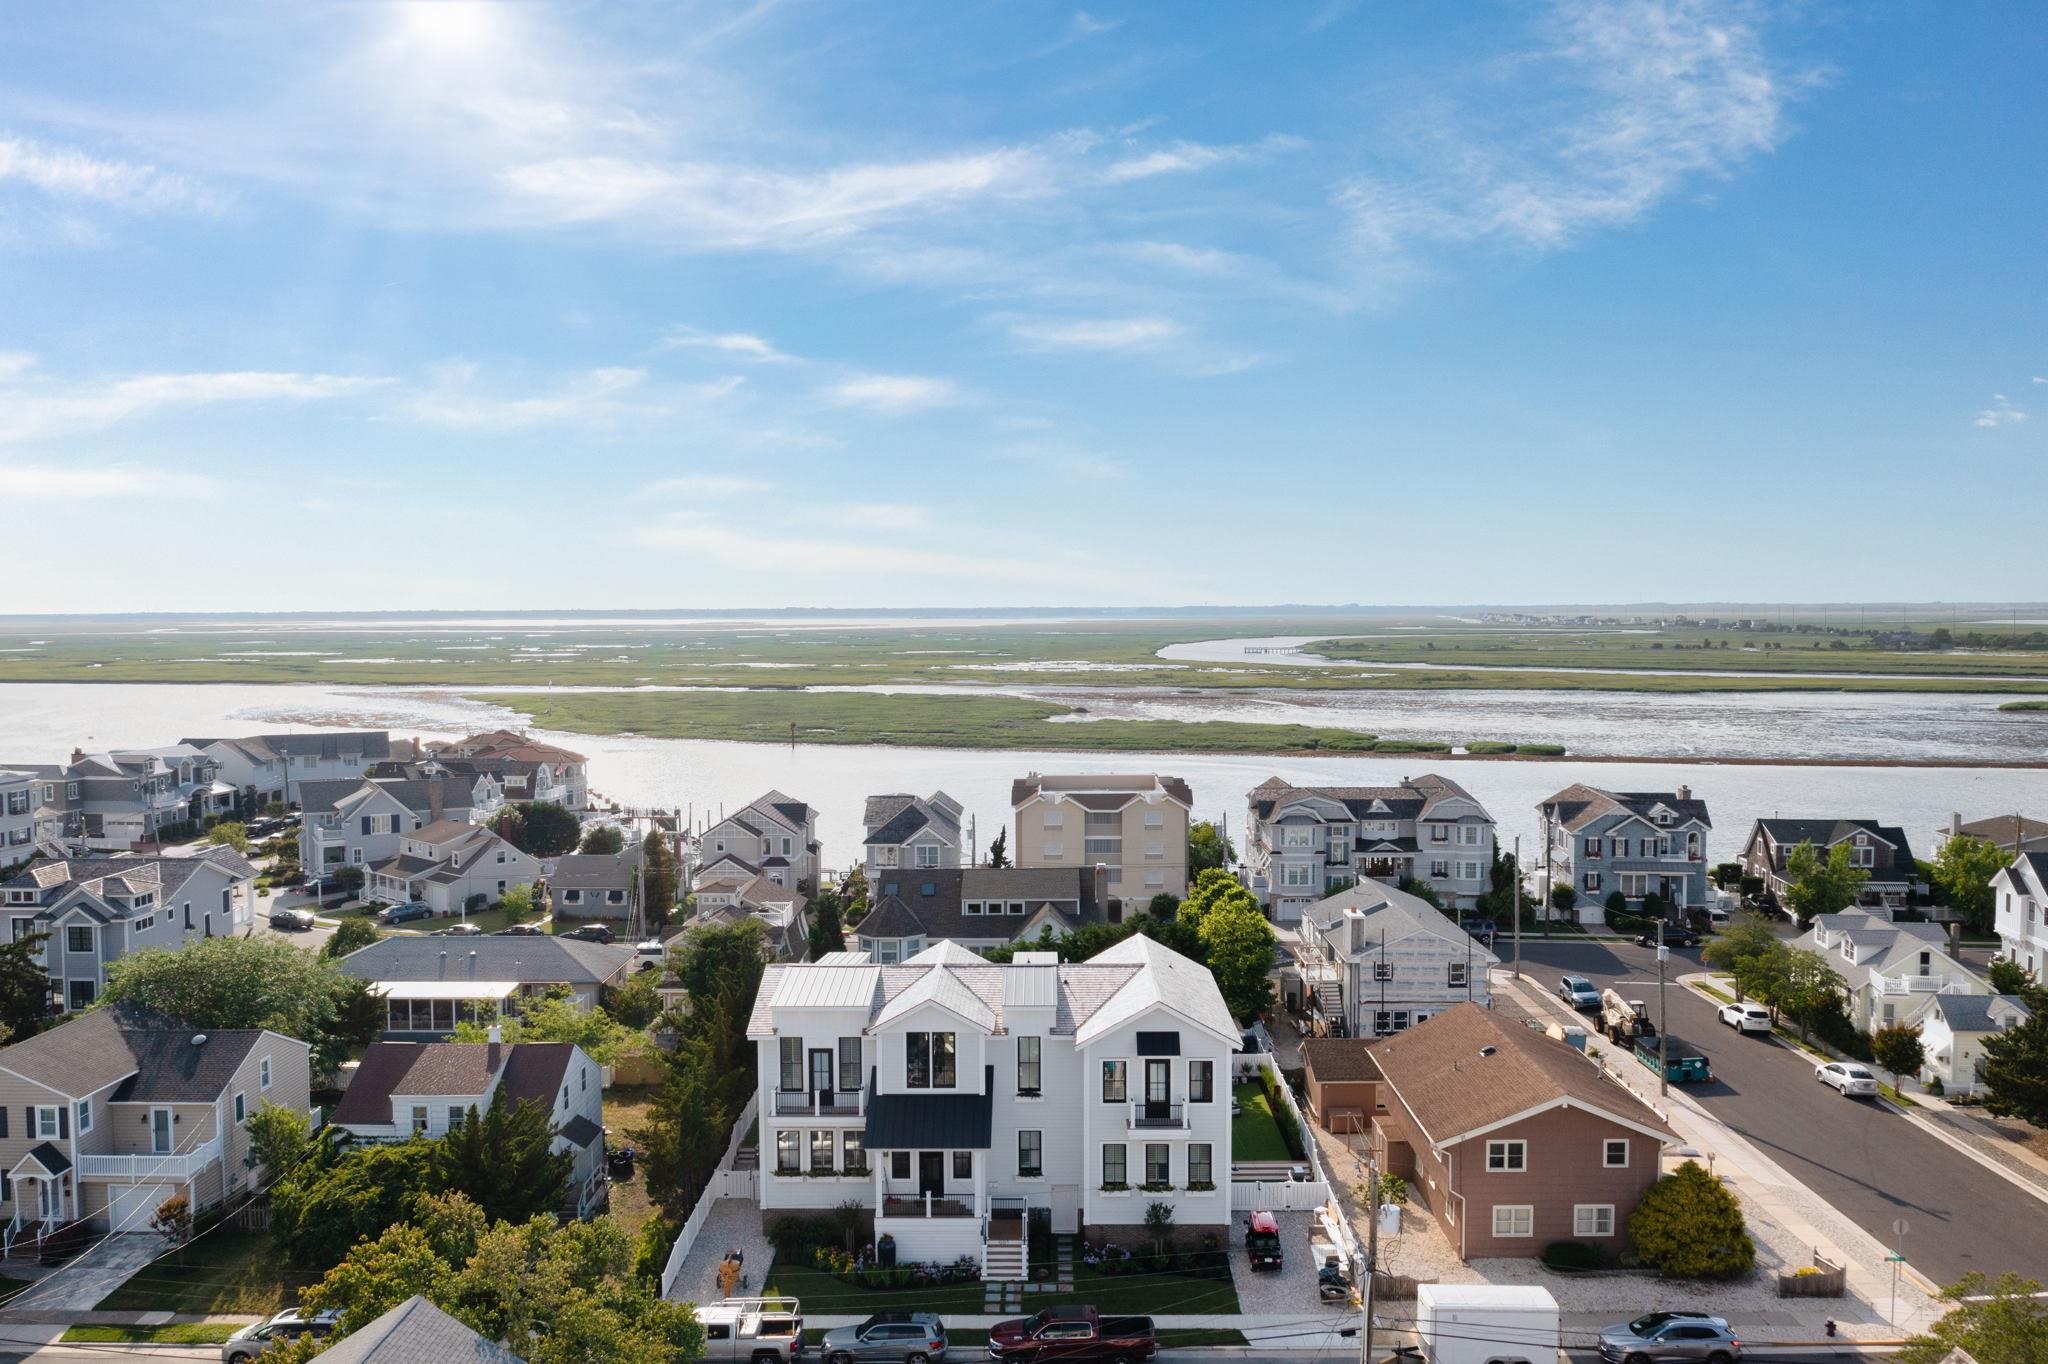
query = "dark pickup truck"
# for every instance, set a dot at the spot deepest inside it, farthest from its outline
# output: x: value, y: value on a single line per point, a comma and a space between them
x: 1063, y: 1333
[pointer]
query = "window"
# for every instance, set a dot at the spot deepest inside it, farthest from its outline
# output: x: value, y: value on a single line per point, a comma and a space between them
x: 1439, y: 869
x: 1614, y: 1154
x: 1468, y: 871
x: 1456, y: 976
x: 455, y: 1112
x: 1055, y: 819
x: 1201, y: 1082
x: 1157, y: 1168
x: 971, y: 907
x: 241, y: 1107
x: 1507, y: 1155
x: 1155, y: 850
x: 1113, y: 1082
x: 1113, y: 1171
x: 792, y: 1055
x: 1055, y: 850
x: 927, y: 855
x: 899, y: 1165
x: 1028, y: 1068
x: 849, y: 1064
x: 1382, y: 970
x: 963, y: 1165
x: 1201, y: 1163
x: 1030, y: 1155
x: 855, y: 1158
x: 47, y: 1121
x: 1155, y: 819
x: 1439, y: 834
x: 1593, y: 848
x: 78, y: 938
x: 263, y: 1073
x: 1590, y: 882
x: 1016, y: 906
x: 821, y: 1151
x: 85, y: 1114
x: 787, y: 1153
x: 1514, y: 1219
x: 1468, y: 834
x: 1593, y: 1219
x: 419, y: 1120
x: 1294, y: 875
x: 1297, y: 836
x: 928, y: 1061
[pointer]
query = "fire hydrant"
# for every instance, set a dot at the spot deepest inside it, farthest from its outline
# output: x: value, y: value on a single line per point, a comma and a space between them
x: 1830, y: 1328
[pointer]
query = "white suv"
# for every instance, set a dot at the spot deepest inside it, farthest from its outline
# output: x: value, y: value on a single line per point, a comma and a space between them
x: 1746, y: 1017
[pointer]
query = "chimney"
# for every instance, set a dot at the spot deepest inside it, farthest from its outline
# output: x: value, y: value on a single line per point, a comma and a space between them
x: 1955, y: 939
x: 496, y: 1034
x: 1955, y: 823
x: 77, y: 755
x: 472, y: 963
x: 1685, y: 793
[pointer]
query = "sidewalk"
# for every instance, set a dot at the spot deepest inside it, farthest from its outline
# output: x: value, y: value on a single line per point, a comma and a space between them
x: 1760, y: 1181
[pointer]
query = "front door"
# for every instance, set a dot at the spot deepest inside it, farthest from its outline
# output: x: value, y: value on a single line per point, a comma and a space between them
x: 1158, y: 1090
x: 931, y: 1173
x: 821, y: 1076
x: 160, y: 1131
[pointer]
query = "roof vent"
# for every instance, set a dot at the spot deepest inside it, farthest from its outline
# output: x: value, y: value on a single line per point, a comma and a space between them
x: 1488, y: 1051
x: 199, y: 1039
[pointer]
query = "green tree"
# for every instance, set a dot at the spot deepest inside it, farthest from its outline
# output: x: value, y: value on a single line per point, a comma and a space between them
x: 1239, y: 949
x: 1962, y: 874
x: 691, y: 1119
x: 1898, y: 1050
x: 1163, y: 906
x: 172, y: 1220
x: 557, y: 1017
x: 636, y: 1001
x: 1749, y: 949
x: 501, y: 1160
x: 2016, y: 1069
x: 538, y: 827
x: 230, y: 833
x: 1423, y: 891
x: 354, y: 934
x: 659, y: 860
x: 339, y: 1195
x: 719, y: 959
x: 1821, y: 885
x: 348, y: 879
x: 24, y: 987
x: 1689, y: 1226
x: 248, y: 982
x: 1809, y: 988
x: 1209, y: 849
x: 605, y: 840
x: 1159, y: 1225
x: 279, y: 1138
x: 1563, y: 898
x: 2008, y: 977
x: 999, y: 849
x: 1213, y: 889
x: 516, y: 904
x: 1997, y: 1321
x: 828, y: 924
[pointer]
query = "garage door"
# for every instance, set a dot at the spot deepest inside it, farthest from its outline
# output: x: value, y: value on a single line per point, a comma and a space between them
x: 130, y: 1206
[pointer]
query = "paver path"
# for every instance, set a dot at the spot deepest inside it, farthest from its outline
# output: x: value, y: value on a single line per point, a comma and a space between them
x: 89, y: 1276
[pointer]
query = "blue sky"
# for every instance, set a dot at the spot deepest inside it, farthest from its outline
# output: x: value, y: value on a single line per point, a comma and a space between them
x: 459, y: 305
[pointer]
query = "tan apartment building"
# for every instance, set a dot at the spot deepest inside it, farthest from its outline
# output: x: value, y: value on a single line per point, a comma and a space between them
x: 1133, y: 825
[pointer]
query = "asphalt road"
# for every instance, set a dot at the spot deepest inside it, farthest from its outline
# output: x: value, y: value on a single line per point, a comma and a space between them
x: 1873, y: 1165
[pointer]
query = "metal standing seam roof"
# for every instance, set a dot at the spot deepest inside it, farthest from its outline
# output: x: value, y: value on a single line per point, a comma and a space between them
x: 1079, y: 991
x: 932, y: 1121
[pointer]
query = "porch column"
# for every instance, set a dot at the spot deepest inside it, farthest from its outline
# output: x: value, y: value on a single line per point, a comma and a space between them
x: 878, y: 1161
x: 981, y: 1183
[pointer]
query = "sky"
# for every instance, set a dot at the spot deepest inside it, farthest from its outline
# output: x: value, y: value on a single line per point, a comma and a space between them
x: 459, y: 305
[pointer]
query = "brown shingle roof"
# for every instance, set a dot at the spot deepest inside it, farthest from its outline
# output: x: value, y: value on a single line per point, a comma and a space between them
x: 450, y: 1068
x: 1454, y: 1086
x: 1339, y: 1058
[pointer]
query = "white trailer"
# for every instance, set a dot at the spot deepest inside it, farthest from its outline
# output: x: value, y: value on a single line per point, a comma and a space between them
x: 1486, y: 1324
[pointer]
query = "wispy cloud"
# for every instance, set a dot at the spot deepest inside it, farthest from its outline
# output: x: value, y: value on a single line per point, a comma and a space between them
x: 707, y: 486
x: 882, y: 515
x: 456, y: 399
x: 2002, y: 412
x: 1094, y: 333
x: 744, y: 345
x: 66, y: 173
x: 42, y: 410
x: 1086, y: 25
x: 73, y: 483
x: 1063, y: 458
x: 1180, y: 158
x: 892, y: 393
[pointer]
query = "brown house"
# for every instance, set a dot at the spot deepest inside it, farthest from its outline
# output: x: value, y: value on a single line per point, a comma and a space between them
x: 1343, y: 1083
x: 1880, y: 850
x: 1510, y: 1138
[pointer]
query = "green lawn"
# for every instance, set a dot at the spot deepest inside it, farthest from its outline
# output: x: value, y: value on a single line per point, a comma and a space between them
x: 820, y: 1293
x: 176, y: 1333
x: 1153, y: 1295
x: 1253, y: 1133
x: 223, y: 1271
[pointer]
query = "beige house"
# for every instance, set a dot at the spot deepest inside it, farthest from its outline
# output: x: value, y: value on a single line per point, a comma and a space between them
x: 1135, y: 826
x: 103, y: 1119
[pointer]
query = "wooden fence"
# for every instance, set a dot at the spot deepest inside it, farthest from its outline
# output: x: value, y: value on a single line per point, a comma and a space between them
x: 1831, y: 1282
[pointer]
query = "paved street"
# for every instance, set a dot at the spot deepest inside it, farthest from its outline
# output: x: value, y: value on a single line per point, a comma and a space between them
x: 1873, y: 1165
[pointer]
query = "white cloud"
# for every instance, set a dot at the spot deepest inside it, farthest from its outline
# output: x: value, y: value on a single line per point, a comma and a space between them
x: 1094, y: 334
x: 1064, y: 459
x: 68, y: 174
x: 14, y: 363
x: 707, y: 486
x: 892, y: 393
x: 2002, y: 412
x: 2041, y: 379
x: 455, y: 400
x: 72, y: 483
x: 745, y: 345
x: 1179, y: 158
x: 881, y: 515
x: 1086, y: 25
x: 38, y: 411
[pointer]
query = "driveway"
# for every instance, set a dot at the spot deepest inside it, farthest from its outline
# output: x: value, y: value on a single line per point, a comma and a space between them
x: 1868, y: 1162
x: 94, y: 1272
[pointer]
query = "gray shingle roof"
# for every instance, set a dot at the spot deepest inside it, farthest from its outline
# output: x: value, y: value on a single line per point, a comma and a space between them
x: 1972, y: 1013
x: 1131, y: 784
x: 416, y: 1332
x: 169, y: 1068
x: 528, y: 960
x: 903, y: 906
x: 1579, y: 804
x: 1825, y: 833
x: 76, y: 1057
x: 597, y: 871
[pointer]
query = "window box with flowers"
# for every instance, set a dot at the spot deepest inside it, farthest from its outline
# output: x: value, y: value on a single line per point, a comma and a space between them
x: 1156, y: 1186
x: 1202, y: 1186
x: 1116, y: 1187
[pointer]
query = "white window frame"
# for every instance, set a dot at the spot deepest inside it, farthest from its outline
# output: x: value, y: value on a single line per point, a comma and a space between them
x: 84, y: 1116
x: 1513, y: 1157
x: 241, y: 1109
x: 46, y: 1122
x: 1517, y: 1214
x: 1055, y: 819
x: 1296, y: 877
x: 1055, y: 850
x: 1592, y: 1219
x: 1607, y: 1148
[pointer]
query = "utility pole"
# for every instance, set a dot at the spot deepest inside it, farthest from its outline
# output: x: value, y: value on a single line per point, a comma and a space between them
x: 1372, y: 1260
x: 1663, y: 1020
x: 1518, y: 906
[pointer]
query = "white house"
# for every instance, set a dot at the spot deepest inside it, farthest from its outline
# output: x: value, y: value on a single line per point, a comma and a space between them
x: 2022, y: 888
x: 275, y: 764
x: 359, y: 823
x: 775, y: 837
x: 449, y: 863
x: 1305, y: 841
x: 406, y: 1089
x: 947, y: 1092
x: 1952, y: 1034
x: 1892, y: 971
x: 1375, y: 960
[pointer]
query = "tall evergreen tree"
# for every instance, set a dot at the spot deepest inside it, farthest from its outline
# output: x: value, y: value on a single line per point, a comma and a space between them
x: 502, y: 1160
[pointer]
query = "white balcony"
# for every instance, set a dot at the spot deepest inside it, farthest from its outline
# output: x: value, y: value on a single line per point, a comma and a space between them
x: 1157, y: 1118
x: 1919, y: 985
x: 145, y: 1168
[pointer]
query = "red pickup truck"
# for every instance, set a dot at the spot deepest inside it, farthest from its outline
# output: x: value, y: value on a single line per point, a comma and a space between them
x: 1073, y: 1333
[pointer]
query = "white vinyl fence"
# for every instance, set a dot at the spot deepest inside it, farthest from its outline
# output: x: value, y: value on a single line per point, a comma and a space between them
x: 726, y: 1182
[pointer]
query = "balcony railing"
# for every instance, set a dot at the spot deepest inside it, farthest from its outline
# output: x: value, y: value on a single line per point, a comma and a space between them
x: 821, y: 1104
x: 1158, y: 1116
x: 142, y: 1168
x: 1917, y: 985
x: 925, y: 1206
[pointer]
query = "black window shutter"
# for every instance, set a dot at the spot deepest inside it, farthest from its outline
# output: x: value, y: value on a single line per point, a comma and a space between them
x: 28, y: 1112
x: 3, y: 1122
x: 63, y: 1121
x: 366, y: 824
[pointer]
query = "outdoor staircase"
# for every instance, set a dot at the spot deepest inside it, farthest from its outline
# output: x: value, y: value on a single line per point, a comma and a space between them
x: 1004, y: 1261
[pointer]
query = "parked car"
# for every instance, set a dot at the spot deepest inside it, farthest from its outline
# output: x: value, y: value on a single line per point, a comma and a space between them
x: 757, y: 1330
x: 909, y: 1337
x: 653, y: 952
x: 521, y: 931
x: 287, y: 1326
x: 407, y: 913
x: 1746, y: 1017
x: 1262, y: 1240
x: 1688, y: 1336
x: 1073, y: 1333
x: 1852, y: 1080
x: 1480, y: 927
x: 590, y: 933
x: 461, y: 930
x: 1579, y: 992
x: 297, y: 920
x: 1673, y: 937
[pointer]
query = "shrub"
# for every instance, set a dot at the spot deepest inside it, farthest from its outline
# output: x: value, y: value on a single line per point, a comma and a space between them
x: 1688, y: 1226
x: 1542, y: 750
x: 1570, y: 1256
x: 796, y: 1238
x: 1486, y: 746
x: 1727, y: 875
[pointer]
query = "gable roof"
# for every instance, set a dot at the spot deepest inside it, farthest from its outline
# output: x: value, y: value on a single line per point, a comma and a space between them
x: 416, y: 1332
x: 1412, y: 798
x: 2011, y: 832
x: 1339, y: 1058
x: 1788, y: 834
x: 1391, y: 913
x: 457, y: 1069
x: 1118, y: 788
x: 529, y: 960
x: 929, y: 901
x: 178, y: 1067
x: 78, y: 1056
x: 597, y: 871
x: 1974, y: 1013
x: 2015, y: 873
x: 895, y: 818
x: 1579, y: 805
x: 1467, y: 1070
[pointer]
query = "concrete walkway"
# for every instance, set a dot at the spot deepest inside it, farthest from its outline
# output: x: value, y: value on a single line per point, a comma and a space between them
x: 81, y: 1283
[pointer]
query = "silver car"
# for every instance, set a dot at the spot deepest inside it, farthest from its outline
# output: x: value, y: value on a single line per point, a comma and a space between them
x: 1693, y: 1337
x: 1579, y: 992
x: 894, y: 1337
x: 1854, y: 1081
x: 287, y: 1326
